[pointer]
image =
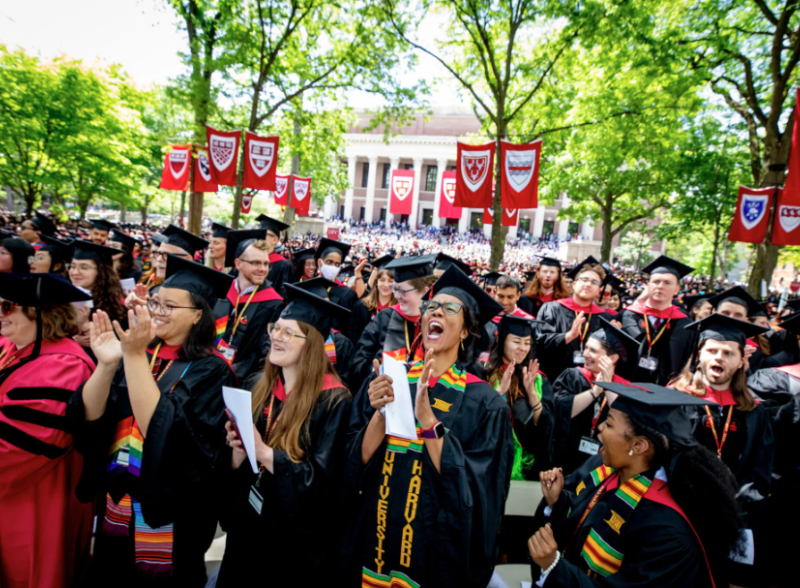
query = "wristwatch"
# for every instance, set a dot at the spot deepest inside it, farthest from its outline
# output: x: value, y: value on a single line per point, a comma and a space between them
x: 435, y: 432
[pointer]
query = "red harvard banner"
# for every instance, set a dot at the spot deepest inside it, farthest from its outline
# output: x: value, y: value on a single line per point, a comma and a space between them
x: 447, y: 208
x: 247, y: 202
x: 282, y: 190
x: 488, y: 215
x: 401, y: 191
x: 301, y: 195
x: 260, y: 161
x: 752, y: 215
x: 787, y: 217
x: 519, y: 186
x: 202, y: 173
x: 177, y: 163
x: 475, y: 167
x: 510, y: 217
x: 224, y: 150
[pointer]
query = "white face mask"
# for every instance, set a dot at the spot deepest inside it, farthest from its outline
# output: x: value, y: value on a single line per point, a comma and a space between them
x: 329, y: 272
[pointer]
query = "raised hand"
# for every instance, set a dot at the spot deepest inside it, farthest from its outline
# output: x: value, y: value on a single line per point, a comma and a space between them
x: 422, y: 405
x: 141, y: 330
x: 105, y: 346
x: 138, y: 297
x: 606, y: 370
x: 552, y: 485
x: 505, y: 382
x: 575, y: 330
x: 380, y: 390
x: 529, y: 375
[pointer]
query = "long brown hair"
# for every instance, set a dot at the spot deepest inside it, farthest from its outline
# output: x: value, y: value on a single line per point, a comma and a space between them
x: 559, y: 288
x: 291, y: 433
x: 107, y: 293
x: 371, y: 300
x: 694, y: 380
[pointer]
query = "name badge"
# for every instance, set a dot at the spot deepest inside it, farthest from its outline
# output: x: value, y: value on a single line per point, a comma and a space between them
x: 648, y: 363
x: 589, y: 446
x: 227, y: 351
x: 577, y: 358
x: 256, y: 500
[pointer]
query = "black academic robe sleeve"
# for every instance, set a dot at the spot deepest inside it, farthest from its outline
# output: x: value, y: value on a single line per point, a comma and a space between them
x: 537, y: 438
x: 280, y: 273
x: 780, y: 396
x: 784, y: 351
x: 344, y: 359
x: 370, y: 345
x: 567, y: 433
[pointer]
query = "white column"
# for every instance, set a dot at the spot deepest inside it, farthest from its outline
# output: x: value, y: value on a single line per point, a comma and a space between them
x: 563, y: 226
x: 351, y: 181
x: 373, y: 173
x: 441, y: 167
x: 394, y: 163
x: 538, y: 222
x: 413, y: 218
x: 463, y: 222
x: 587, y: 230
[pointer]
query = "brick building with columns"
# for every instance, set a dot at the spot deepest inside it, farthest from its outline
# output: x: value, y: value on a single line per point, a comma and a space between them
x: 428, y: 147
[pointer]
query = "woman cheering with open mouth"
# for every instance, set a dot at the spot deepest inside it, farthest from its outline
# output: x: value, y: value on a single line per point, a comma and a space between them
x: 428, y: 509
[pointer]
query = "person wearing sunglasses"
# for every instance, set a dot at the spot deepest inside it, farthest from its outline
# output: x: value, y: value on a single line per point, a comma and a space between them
x: 249, y: 306
x: 151, y: 425
x: 45, y: 531
x: 569, y: 321
x: 287, y: 516
x: 427, y: 510
x: 16, y: 255
x: 396, y: 330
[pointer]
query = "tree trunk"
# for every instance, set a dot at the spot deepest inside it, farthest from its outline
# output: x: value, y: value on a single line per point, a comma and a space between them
x: 195, y: 213
x: 766, y: 252
x: 122, y: 213
x: 713, y: 271
x: 499, y: 232
x: 183, y: 208
x: 143, y: 211
x: 289, y: 213
x: 605, y: 246
x: 30, y: 200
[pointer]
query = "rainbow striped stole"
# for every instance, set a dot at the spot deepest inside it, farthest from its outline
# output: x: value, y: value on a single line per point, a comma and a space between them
x: 220, y: 326
x: 600, y: 550
x: 330, y: 349
x: 126, y: 450
x: 370, y: 579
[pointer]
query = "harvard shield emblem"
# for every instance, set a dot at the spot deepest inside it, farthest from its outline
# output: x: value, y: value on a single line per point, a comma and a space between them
x: 753, y: 209
x: 203, y: 165
x: 449, y: 187
x: 178, y: 160
x: 300, y: 189
x: 475, y: 168
x: 519, y: 168
x: 510, y: 212
x: 261, y: 156
x: 402, y: 186
x: 247, y: 201
x: 789, y: 217
x: 280, y: 187
x: 223, y: 150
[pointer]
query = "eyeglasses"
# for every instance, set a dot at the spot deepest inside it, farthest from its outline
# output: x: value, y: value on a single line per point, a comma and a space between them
x: 400, y: 293
x: 256, y: 264
x: 7, y: 307
x: 163, y: 254
x: 165, y: 309
x: 31, y: 259
x: 37, y: 257
x: 589, y: 281
x: 277, y: 332
x: 449, y: 308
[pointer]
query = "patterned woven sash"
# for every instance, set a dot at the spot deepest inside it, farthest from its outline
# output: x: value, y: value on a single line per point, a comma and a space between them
x: 330, y: 349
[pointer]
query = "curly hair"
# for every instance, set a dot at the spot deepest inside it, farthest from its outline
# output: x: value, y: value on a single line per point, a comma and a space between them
x: 107, y: 293
x: 704, y: 487
x: 58, y: 321
x: 473, y: 327
x: 559, y: 288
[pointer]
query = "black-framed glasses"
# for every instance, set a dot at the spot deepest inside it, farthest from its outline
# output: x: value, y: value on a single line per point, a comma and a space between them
x: 163, y: 254
x: 255, y: 263
x: 450, y: 308
x: 399, y: 292
x: 7, y: 307
x: 165, y: 309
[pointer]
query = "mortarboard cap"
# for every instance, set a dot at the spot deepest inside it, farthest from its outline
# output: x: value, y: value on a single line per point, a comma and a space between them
x: 97, y: 253
x: 306, y: 306
x: 407, y: 268
x: 794, y: 304
x: 573, y: 273
x: 382, y: 261
x: 271, y: 224
x: 551, y: 261
x: 159, y: 238
x: 347, y: 271
x: 300, y: 257
x: 490, y: 278
x: 59, y: 251
x: 791, y: 323
x: 184, y: 239
x: 517, y: 325
x: 719, y: 327
x: 443, y: 262
x: 44, y: 224
x: 38, y: 290
x: 693, y: 300
x: 616, y: 339
x: 196, y: 278
x: 219, y: 231
x: 328, y: 246
x: 667, y: 265
x: 456, y: 283
x: 238, y: 241
x: 101, y: 224
x: 662, y: 409
x: 6, y: 234
x: 740, y: 296
x: 127, y: 241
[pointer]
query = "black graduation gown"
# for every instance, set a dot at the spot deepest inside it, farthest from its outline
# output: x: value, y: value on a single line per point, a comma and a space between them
x: 673, y: 349
x: 178, y: 484
x: 296, y: 539
x: 281, y: 271
x: 556, y: 355
x: 450, y: 520
x: 353, y: 325
x: 373, y: 341
x: 568, y: 430
x: 342, y: 356
x: 248, y: 341
x: 784, y: 350
x: 658, y: 544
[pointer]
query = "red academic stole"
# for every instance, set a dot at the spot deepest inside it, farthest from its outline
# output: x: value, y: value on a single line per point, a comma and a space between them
x: 275, y: 258
x: 517, y: 312
x: 545, y: 297
x: 673, y: 312
x: 572, y: 305
x: 792, y: 370
x: 591, y: 377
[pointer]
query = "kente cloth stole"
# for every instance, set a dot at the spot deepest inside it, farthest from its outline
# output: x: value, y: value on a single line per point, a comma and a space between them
x: 601, y: 550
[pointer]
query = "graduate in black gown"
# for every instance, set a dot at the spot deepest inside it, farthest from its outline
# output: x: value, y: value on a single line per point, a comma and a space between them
x: 281, y: 270
x: 658, y: 325
x: 285, y: 522
x: 546, y: 284
x: 427, y: 511
x: 738, y: 429
x: 657, y: 510
x: 150, y: 423
x: 569, y: 321
x: 395, y: 330
x: 580, y: 404
x: 249, y: 306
